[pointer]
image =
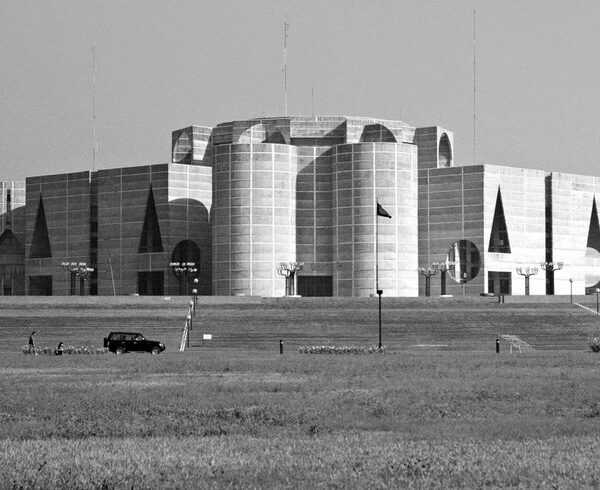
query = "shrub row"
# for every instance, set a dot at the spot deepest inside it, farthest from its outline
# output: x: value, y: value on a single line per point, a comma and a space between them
x: 594, y: 342
x: 67, y: 350
x: 347, y: 349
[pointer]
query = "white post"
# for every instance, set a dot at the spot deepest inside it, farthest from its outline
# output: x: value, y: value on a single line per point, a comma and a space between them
x: 112, y: 276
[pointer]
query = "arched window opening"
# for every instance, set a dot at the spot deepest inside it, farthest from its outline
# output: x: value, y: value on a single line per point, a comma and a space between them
x: 377, y: 133
x: 444, y: 152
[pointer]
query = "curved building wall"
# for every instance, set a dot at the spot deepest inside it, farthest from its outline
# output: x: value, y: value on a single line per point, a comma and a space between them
x: 254, y: 217
x: 363, y: 173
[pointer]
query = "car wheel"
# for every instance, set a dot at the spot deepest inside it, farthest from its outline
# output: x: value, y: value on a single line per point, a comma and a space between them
x: 119, y: 351
x: 155, y: 351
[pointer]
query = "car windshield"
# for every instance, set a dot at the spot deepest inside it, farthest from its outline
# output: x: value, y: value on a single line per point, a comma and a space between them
x: 139, y: 336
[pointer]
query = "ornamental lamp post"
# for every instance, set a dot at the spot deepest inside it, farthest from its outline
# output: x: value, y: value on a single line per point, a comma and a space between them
x: 67, y: 267
x: 527, y: 272
x: 83, y: 271
x: 282, y: 271
x: 80, y: 270
x: 289, y: 270
x: 442, y: 267
x: 427, y: 272
x: 181, y: 271
x: 597, y: 303
x: 192, y: 309
x: 550, y: 268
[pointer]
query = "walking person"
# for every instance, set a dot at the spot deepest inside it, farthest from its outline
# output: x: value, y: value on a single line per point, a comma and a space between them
x: 32, y: 343
x: 60, y: 349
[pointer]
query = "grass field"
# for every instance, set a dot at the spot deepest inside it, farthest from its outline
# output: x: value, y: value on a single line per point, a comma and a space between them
x: 238, y: 414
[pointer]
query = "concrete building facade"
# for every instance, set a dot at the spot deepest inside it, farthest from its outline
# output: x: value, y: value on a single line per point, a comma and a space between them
x: 483, y: 221
x: 243, y: 197
x: 12, y: 238
x: 305, y: 190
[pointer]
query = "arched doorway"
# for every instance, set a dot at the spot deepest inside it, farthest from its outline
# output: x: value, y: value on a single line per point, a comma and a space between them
x: 185, y: 264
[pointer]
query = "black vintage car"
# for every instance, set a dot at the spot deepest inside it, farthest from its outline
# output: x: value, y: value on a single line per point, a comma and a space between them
x: 121, y: 342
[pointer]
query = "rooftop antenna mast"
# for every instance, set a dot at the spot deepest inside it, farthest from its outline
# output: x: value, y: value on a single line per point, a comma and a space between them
x: 286, y: 27
x: 474, y: 89
x: 95, y: 148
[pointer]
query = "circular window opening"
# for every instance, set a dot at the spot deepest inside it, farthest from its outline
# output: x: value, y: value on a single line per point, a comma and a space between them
x: 464, y: 261
x: 592, y: 268
x: 444, y: 152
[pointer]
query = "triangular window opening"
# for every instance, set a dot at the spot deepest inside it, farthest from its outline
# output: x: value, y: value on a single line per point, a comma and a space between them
x: 499, y: 241
x: 151, y: 240
x: 593, y: 240
x: 40, y: 243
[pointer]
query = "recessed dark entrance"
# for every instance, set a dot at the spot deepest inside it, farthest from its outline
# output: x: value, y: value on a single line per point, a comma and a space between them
x: 315, y: 285
x: 499, y: 282
x: 151, y: 283
x: 40, y: 285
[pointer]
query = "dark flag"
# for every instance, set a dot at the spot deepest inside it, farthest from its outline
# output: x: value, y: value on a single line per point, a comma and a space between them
x: 382, y: 212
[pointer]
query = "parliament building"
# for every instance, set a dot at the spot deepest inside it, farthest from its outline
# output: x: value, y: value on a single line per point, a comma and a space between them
x: 288, y: 205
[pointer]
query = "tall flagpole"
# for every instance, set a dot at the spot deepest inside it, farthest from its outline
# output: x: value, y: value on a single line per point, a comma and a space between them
x: 377, y: 290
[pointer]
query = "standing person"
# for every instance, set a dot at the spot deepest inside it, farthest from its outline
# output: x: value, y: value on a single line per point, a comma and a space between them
x: 31, y: 343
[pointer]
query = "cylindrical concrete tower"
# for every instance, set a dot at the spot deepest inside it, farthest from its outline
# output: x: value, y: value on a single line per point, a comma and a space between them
x: 362, y: 174
x: 254, y: 217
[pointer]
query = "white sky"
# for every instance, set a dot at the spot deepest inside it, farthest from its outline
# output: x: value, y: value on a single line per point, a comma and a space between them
x: 164, y: 65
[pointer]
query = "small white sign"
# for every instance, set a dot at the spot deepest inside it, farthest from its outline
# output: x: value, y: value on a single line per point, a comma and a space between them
x: 207, y: 336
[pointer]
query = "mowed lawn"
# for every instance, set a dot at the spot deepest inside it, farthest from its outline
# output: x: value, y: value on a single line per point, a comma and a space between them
x: 236, y: 413
x: 252, y: 323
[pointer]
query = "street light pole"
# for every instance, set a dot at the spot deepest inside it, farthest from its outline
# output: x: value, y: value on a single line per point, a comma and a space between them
x: 527, y: 272
x: 379, y: 293
x: 571, y: 284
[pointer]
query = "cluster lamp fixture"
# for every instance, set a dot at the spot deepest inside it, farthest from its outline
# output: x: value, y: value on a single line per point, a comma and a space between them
x: 182, y: 270
x: 527, y: 272
x: 77, y: 270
